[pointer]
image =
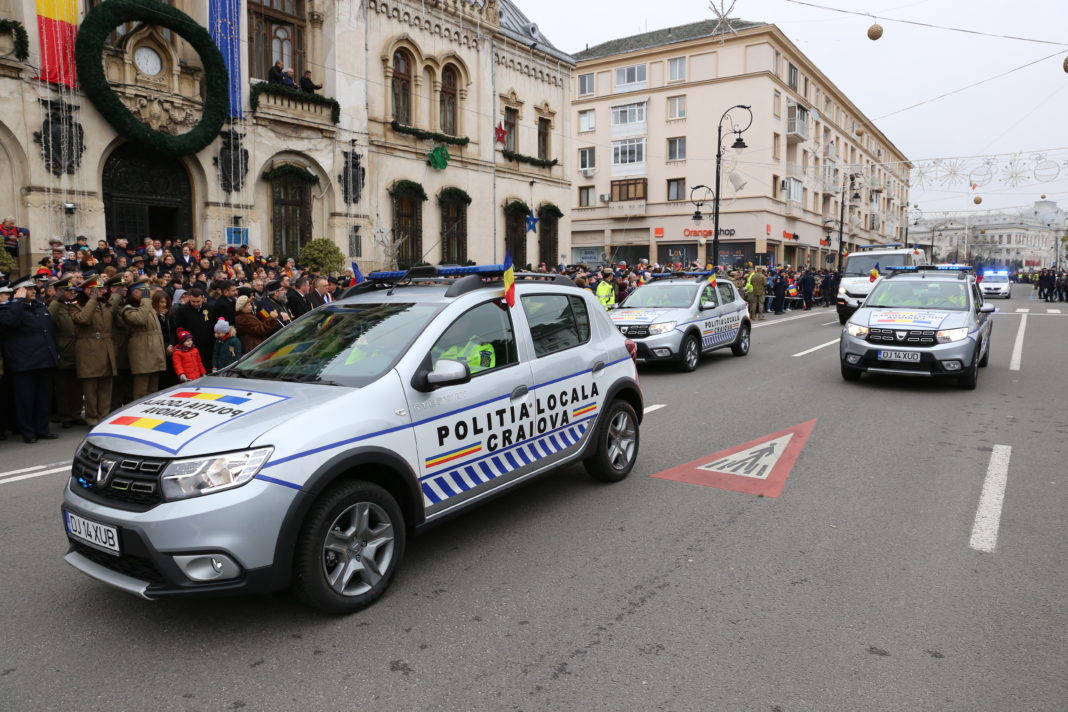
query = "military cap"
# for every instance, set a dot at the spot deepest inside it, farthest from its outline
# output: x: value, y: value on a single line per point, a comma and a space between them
x: 6, y: 290
x: 139, y: 283
x: 64, y: 283
x: 24, y: 283
x: 96, y: 281
x: 118, y: 280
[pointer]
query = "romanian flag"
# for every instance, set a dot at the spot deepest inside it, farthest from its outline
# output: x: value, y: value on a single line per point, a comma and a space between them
x: 217, y: 397
x: 712, y: 280
x: 874, y: 273
x: 57, y: 26
x: 509, y: 280
x: 163, y: 426
x: 974, y: 185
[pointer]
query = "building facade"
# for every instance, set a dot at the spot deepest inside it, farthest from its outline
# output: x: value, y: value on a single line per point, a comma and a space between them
x: 645, y: 110
x: 394, y: 157
x: 1027, y: 238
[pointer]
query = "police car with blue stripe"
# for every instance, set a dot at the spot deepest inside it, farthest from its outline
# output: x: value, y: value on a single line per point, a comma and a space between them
x: 679, y: 316
x: 311, y: 460
x: 923, y: 321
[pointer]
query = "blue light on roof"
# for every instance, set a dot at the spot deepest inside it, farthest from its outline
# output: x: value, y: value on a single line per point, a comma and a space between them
x: 903, y: 269
x: 891, y: 246
x: 488, y: 270
x: 996, y: 272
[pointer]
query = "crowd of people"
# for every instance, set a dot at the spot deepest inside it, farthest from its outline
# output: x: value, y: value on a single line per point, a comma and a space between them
x: 1052, y: 285
x: 95, y: 328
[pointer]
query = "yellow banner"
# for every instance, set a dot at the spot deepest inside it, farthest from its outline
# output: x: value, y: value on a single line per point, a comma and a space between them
x: 59, y: 10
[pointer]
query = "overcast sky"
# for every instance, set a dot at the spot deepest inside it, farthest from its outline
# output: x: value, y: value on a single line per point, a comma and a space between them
x: 1026, y: 111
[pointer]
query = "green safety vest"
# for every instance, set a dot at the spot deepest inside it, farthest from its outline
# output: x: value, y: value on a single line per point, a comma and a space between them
x: 477, y: 356
x: 606, y: 294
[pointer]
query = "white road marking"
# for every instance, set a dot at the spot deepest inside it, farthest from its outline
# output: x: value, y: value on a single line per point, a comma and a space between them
x: 988, y: 515
x: 830, y: 322
x: 651, y: 408
x: 789, y: 318
x: 8, y: 480
x: 815, y: 348
x: 1017, y: 348
x: 1053, y: 311
x: 31, y: 469
x: 1022, y: 311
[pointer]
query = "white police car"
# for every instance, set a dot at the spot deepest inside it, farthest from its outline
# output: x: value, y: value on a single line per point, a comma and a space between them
x: 927, y: 321
x: 996, y: 284
x: 311, y: 460
x: 677, y: 317
x: 856, y: 280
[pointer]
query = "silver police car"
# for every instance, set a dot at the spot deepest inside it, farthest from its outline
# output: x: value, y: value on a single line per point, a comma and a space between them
x: 679, y: 316
x: 923, y: 321
x: 311, y: 460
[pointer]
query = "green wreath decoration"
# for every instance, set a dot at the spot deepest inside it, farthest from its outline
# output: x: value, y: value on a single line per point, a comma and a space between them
x: 283, y: 170
x: 453, y: 196
x: 22, y: 41
x: 520, y: 158
x: 410, y: 188
x: 516, y: 208
x: 88, y: 53
x: 550, y: 211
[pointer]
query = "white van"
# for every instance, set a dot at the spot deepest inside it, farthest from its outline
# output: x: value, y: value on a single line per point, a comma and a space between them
x: 855, y: 283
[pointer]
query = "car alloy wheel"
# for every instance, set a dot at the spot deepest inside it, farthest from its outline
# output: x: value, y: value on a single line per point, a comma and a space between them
x: 358, y: 549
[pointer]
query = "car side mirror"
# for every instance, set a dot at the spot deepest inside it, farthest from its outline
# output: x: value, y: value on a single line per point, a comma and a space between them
x: 445, y: 373
x: 987, y: 309
x: 708, y: 305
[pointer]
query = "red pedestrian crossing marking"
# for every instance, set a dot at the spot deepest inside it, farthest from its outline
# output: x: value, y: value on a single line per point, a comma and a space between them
x: 759, y: 466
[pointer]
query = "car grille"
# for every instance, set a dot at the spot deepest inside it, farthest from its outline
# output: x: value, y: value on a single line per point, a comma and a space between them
x: 911, y: 337
x: 635, y: 331
x: 135, y: 566
x: 134, y: 481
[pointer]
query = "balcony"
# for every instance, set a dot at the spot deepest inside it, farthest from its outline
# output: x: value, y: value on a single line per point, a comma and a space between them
x: 272, y: 102
x: 797, y: 126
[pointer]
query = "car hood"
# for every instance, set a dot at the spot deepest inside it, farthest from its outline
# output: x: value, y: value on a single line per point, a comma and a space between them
x: 910, y: 318
x: 208, y: 416
x: 642, y: 315
x: 857, y: 285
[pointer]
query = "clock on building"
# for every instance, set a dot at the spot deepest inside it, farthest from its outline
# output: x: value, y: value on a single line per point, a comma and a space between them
x: 148, y: 61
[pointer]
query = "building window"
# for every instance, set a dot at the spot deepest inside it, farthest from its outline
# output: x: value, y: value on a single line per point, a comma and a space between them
x: 585, y: 84
x: 776, y: 104
x: 515, y: 237
x: 454, y: 233
x: 629, y: 189
x: 805, y: 91
x: 677, y: 149
x: 549, y: 240
x: 449, y: 102
x: 776, y: 146
x: 791, y: 77
x: 794, y: 190
x: 408, y: 229
x: 275, y: 32
x: 587, y: 120
x: 402, y: 87
x: 676, y: 106
x: 777, y: 65
x: 544, y: 131
x: 587, y: 158
x: 631, y: 150
x: 586, y: 196
x: 630, y: 78
x: 290, y: 215
x: 676, y: 189
x: 628, y: 114
x: 677, y: 69
x: 511, y: 125
x: 355, y: 242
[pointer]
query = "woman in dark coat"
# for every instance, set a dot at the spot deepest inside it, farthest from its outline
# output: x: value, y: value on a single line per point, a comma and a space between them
x: 161, y: 304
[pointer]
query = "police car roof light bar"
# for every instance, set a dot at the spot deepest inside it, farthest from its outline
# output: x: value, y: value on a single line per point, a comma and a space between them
x: 890, y: 246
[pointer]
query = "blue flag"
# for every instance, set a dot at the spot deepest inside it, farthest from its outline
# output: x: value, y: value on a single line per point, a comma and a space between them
x: 224, y: 21
x: 357, y: 273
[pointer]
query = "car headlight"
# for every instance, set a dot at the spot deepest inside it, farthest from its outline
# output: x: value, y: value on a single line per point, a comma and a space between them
x: 856, y: 330
x: 841, y: 291
x: 946, y: 336
x: 205, y: 475
x: 661, y: 328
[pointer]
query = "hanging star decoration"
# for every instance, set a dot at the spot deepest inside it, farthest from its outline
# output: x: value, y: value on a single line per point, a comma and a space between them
x: 723, y: 20
x: 438, y: 158
x: 500, y: 133
x: 532, y: 223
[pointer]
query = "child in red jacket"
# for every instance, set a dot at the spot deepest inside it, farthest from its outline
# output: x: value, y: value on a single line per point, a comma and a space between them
x: 187, y: 363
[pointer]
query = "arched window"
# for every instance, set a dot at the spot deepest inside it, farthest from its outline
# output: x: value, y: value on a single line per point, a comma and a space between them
x: 449, y: 103
x: 402, y: 87
x: 548, y: 239
x: 407, y: 229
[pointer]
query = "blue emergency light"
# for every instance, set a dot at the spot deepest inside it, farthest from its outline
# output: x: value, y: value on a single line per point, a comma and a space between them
x: 430, y: 271
x: 996, y: 272
x: 891, y: 246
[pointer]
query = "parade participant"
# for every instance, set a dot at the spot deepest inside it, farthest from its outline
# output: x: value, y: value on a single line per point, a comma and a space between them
x: 94, y: 349
x: 227, y: 347
x: 807, y: 285
x: 30, y: 359
x: 147, y: 351
x: 68, y: 387
x: 827, y: 288
x: 122, y: 384
x: 188, y: 365
x: 606, y: 292
x: 251, y: 328
x: 779, y: 284
x: 755, y: 288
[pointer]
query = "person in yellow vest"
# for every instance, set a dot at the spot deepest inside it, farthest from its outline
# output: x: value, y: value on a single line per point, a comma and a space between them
x: 606, y: 292
x: 478, y: 355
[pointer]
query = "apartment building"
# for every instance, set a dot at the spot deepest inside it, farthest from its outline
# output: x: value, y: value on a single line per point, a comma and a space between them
x: 645, y: 110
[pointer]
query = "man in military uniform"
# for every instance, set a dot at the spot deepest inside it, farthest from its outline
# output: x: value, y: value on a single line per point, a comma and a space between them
x: 29, y: 359
x: 755, y: 288
x: 147, y: 353
x: 68, y: 387
x: 94, y: 349
x: 122, y: 386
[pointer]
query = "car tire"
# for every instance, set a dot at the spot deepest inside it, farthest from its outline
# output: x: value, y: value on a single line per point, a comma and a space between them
x: 617, y: 444
x: 333, y: 569
x: 970, y: 379
x: 985, y: 360
x: 689, y: 354
x: 740, y: 347
x: 850, y: 374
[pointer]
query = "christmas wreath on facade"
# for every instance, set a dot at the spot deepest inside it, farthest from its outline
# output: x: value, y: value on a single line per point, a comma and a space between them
x: 88, y: 53
x: 21, y: 39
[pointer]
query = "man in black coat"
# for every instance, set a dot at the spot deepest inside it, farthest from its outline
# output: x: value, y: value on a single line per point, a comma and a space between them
x: 297, y: 301
x: 194, y: 317
x: 274, y: 74
x: 30, y: 358
x: 807, y: 285
x: 225, y: 307
x: 307, y: 85
x: 778, y: 285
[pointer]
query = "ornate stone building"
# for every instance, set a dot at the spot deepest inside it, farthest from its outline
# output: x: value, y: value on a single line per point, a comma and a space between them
x: 396, y: 157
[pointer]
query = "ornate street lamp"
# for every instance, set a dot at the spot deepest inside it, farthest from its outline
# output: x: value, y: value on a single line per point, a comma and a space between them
x: 841, y: 218
x: 738, y: 144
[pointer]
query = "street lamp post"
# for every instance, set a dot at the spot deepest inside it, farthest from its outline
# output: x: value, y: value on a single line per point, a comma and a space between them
x: 841, y: 216
x: 738, y: 144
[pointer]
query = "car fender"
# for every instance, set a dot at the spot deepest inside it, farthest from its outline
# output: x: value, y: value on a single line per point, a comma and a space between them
x: 626, y: 388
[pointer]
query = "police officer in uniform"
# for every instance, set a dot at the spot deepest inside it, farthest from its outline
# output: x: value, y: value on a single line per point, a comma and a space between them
x: 147, y: 352
x: 94, y: 350
x: 30, y: 359
x: 68, y: 387
x: 606, y: 293
x: 122, y: 386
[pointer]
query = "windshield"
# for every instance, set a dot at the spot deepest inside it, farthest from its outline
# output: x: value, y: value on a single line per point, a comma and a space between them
x: 351, y: 345
x: 996, y: 279
x: 668, y: 296
x: 918, y: 293
x: 861, y: 265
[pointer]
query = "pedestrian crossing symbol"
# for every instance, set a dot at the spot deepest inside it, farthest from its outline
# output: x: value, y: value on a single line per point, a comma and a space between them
x: 757, y: 461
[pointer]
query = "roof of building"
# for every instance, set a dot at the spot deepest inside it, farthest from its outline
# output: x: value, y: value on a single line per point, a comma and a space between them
x: 517, y: 26
x: 666, y: 36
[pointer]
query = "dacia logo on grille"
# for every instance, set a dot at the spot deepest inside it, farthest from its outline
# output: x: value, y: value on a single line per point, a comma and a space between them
x: 900, y: 335
x: 104, y: 470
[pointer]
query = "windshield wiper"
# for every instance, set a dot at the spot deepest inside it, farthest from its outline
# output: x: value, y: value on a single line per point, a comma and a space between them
x: 307, y: 379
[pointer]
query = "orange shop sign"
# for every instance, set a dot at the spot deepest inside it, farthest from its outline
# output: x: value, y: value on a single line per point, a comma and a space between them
x: 723, y: 231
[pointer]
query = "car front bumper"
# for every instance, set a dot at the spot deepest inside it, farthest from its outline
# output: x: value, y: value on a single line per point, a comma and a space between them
x: 173, y: 548
x: 951, y: 359
x: 661, y: 347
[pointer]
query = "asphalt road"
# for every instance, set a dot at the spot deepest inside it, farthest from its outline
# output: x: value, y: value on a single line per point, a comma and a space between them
x: 856, y: 589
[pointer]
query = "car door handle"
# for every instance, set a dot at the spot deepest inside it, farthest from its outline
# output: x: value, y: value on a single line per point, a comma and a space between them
x: 599, y: 366
x: 519, y: 392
